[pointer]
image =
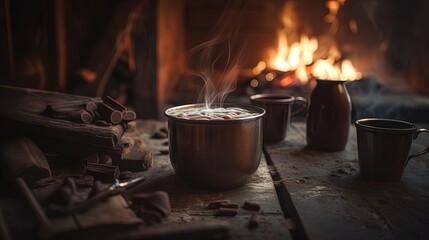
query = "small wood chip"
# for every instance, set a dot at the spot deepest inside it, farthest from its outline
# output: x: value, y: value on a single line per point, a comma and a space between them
x: 216, y: 204
x: 251, y: 206
x: 254, y: 221
x: 227, y: 212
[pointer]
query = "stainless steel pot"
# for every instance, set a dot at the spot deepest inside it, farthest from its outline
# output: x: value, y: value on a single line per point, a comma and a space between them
x: 215, y: 154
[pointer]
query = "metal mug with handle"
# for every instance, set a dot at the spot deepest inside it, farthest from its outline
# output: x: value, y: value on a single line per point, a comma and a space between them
x: 278, y: 114
x: 383, y: 147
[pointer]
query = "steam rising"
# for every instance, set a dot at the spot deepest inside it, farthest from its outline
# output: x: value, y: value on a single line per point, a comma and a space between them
x: 218, y: 50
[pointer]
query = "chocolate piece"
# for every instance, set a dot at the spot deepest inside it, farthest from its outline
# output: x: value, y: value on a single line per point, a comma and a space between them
x: 60, y: 109
x: 113, y: 103
x: 159, y: 135
x: 96, y: 189
x: 163, y: 152
x: 78, y: 116
x: 103, y: 172
x: 251, y: 206
x: 157, y: 201
x: 21, y: 157
x: 65, y: 196
x: 129, y: 115
x: 93, y: 158
x: 224, y: 212
x: 109, y: 114
x: 91, y: 106
x: 105, y: 159
x: 125, y: 175
x: 85, y: 181
x: 228, y: 205
x: 216, y: 204
x: 164, y: 130
x: 254, y: 221
x: 150, y: 217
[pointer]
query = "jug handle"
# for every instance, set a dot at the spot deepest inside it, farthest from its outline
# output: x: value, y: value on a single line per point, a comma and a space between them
x: 303, y: 106
x: 426, y: 150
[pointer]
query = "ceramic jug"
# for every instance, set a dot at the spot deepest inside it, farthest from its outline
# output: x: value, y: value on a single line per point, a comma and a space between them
x: 329, y: 116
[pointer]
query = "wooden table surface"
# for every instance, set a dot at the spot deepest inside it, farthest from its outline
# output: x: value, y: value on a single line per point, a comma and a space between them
x: 308, y: 194
x: 328, y: 200
x: 189, y: 203
x: 304, y: 194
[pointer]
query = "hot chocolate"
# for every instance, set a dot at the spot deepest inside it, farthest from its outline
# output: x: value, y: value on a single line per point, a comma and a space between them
x: 219, y: 113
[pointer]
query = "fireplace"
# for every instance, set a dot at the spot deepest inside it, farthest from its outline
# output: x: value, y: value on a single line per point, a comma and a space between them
x: 146, y: 53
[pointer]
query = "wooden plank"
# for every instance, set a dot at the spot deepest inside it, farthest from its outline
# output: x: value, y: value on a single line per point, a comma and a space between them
x: 333, y: 202
x: 188, y: 203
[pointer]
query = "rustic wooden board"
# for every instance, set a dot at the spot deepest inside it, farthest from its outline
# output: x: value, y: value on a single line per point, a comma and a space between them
x: 333, y: 202
x: 188, y: 203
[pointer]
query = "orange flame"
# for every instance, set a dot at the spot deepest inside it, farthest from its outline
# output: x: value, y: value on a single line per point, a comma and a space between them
x: 298, y: 57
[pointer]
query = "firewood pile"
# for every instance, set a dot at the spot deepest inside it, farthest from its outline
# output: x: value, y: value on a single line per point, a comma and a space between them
x: 71, y: 129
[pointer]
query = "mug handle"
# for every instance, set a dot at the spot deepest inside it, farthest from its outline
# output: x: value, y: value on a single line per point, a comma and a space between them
x: 426, y: 150
x: 303, y: 106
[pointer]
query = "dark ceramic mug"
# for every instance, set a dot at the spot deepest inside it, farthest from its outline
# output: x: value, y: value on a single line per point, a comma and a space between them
x: 383, y: 147
x: 278, y: 114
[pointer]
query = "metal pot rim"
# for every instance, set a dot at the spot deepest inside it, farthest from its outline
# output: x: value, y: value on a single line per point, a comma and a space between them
x: 272, y: 98
x: 259, y: 110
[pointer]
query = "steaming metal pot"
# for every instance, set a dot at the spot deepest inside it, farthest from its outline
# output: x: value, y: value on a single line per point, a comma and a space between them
x: 215, y: 154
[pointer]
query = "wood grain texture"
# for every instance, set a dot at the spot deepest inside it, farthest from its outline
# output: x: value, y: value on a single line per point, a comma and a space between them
x: 333, y: 202
x: 21, y: 109
x: 189, y: 203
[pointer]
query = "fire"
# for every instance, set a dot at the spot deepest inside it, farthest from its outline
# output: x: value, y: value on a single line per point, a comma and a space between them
x: 298, y: 60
